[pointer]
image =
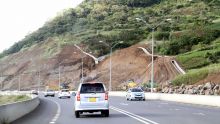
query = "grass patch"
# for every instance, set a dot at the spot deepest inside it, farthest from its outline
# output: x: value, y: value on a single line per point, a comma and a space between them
x: 201, y: 56
x: 196, y: 75
x: 12, y: 98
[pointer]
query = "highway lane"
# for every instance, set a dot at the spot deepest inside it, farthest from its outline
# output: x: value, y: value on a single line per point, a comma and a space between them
x: 41, y: 115
x: 164, y: 112
x: 122, y: 111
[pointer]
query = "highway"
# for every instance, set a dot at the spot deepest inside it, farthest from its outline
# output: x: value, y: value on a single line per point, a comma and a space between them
x: 60, y: 111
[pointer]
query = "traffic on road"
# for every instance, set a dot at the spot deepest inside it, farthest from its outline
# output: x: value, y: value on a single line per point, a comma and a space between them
x: 53, y: 110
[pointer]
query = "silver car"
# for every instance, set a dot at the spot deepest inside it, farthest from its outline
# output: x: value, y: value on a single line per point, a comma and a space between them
x: 91, y: 97
x: 49, y: 93
x: 135, y: 94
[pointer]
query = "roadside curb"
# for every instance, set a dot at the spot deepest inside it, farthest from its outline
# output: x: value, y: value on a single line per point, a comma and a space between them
x: 182, y: 98
x: 14, y: 111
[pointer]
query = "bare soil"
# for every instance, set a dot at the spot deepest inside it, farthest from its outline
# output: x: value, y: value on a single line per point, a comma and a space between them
x: 33, y: 67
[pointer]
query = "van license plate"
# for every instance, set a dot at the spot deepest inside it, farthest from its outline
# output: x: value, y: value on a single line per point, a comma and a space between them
x: 92, y: 99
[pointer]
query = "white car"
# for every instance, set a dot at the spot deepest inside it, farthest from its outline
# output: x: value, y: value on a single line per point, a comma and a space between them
x: 64, y: 93
x: 135, y: 94
x: 49, y: 93
x: 91, y: 97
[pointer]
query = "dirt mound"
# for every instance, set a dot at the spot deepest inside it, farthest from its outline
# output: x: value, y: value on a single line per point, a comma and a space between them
x: 214, y: 78
x: 133, y: 64
x: 34, y: 67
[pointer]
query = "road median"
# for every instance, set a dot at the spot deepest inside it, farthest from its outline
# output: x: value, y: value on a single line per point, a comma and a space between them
x: 12, y: 111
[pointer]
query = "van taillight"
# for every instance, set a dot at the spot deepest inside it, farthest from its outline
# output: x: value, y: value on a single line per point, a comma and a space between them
x: 78, y: 97
x: 106, y: 95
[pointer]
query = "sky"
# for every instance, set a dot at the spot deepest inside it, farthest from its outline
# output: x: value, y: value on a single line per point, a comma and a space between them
x: 20, y: 17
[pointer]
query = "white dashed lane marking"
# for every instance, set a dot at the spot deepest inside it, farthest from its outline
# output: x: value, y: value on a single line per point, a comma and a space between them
x: 53, y: 121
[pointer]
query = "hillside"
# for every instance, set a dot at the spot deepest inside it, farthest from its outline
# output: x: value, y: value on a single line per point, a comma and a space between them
x: 191, y: 30
x: 114, y: 20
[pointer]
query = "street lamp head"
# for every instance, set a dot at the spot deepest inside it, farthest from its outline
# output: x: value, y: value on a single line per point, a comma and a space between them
x: 121, y: 42
x: 169, y: 19
x: 138, y: 19
x: 100, y: 41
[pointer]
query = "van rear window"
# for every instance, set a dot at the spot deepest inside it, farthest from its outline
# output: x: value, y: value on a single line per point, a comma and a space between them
x: 92, y: 88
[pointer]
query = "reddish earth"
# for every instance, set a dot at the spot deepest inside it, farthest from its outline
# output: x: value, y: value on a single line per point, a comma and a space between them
x: 133, y: 64
x: 34, y: 66
x: 214, y: 78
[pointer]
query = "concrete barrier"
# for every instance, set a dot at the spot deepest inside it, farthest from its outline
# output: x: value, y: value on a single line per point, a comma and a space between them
x: 11, y: 112
x: 183, y: 98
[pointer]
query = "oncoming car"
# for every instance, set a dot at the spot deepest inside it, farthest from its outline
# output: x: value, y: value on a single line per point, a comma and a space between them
x: 64, y: 93
x: 49, y: 93
x: 135, y: 94
x: 34, y: 92
x: 91, y: 97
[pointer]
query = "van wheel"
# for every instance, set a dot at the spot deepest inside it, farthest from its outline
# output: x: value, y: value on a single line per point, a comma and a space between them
x: 77, y: 114
x: 105, y: 113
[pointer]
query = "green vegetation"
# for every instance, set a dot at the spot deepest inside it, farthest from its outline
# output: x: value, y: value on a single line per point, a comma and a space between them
x: 12, y: 98
x: 204, y: 60
x: 196, y: 75
x: 189, y: 29
x: 114, y: 20
x: 202, y: 55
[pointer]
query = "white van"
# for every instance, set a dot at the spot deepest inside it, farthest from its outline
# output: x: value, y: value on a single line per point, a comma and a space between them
x: 91, y: 97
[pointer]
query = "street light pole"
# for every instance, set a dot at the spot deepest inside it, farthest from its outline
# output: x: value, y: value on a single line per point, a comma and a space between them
x: 19, y: 83
x: 82, y: 71
x: 152, y: 55
x: 59, y: 77
x: 110, y: 67
x: 39, y: 80
x: 83, y: 54
x: 1, y: 79
x: 152, y: 60
x: 1, y: 82
x: 110, y: 61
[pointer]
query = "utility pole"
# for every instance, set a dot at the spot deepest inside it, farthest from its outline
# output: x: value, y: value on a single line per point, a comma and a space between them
x: 152, y: 60
x: 152, y: 55
x: 39, y: 80
x: 82, y: 71
x: 19, y: 82
x: 59, y: 77
x: 1, y: 79
x: 111, y: 46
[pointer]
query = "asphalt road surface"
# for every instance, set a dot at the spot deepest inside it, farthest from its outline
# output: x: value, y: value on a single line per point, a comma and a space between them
x: 60, y: 111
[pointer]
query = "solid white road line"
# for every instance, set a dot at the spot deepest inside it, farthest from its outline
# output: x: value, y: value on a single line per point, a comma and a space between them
x: 53, y: 121
x: 137, y: 117
x: 130, y: 115
x: 202, y: 114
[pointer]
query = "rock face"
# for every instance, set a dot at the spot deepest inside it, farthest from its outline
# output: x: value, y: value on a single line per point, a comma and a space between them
x: 208, y: 88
